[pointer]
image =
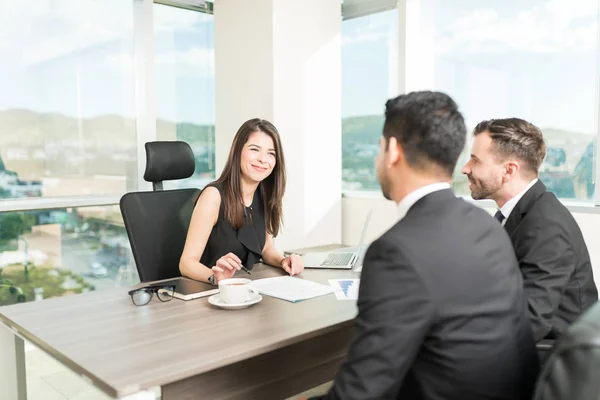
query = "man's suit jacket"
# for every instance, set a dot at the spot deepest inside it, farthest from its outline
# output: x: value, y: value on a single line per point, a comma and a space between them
x: 554, y: 260
x: 441, y: 311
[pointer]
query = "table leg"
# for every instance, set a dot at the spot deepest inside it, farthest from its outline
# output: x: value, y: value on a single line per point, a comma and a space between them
x: 12, y: 365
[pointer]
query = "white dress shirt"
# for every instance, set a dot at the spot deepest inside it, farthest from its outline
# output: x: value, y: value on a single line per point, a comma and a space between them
x: 407, y: 202
x: 507, y: 208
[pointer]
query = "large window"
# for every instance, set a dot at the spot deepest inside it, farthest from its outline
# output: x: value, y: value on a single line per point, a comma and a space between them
x: 68, y: 132
x: 185, y: 85
x: 67, y: 125
x: 534, y: 59
x: 369, y: 78
x: 50, y: 253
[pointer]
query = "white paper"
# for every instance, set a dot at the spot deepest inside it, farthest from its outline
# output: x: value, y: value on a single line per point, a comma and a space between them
x: 345, y: 289
x: 290, y: 288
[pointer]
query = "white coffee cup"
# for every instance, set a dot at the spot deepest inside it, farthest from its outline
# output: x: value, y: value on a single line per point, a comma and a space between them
x: 236, y: 290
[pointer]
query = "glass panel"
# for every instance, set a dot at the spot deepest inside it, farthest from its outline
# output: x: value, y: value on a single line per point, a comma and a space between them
x: 67, y: 110
x: 52, y: 253
x: 185, y: 86
x: 533, y: 59
x: 369, y: 78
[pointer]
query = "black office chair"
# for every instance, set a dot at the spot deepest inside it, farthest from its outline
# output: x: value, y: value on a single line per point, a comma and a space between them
x: 571, y: 372
x: 157, y: 221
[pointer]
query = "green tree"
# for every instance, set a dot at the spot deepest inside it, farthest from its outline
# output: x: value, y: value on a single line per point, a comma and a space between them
x: 9, y: 293
x: 17, y: 289
x: 13, y: 225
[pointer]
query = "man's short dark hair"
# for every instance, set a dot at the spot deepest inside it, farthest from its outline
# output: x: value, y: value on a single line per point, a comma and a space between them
x: 515, y: 137
x: 429, y: 128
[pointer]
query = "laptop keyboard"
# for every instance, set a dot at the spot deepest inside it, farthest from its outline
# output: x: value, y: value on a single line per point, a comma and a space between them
x: 337, y: 259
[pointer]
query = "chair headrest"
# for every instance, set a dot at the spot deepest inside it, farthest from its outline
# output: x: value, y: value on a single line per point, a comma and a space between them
x: 168, y: 160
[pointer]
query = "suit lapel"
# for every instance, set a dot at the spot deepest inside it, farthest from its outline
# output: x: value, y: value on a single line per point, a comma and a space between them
x: 524, y: 205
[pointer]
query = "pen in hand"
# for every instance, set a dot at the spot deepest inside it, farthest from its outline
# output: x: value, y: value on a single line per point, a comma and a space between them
x: 246, y: 270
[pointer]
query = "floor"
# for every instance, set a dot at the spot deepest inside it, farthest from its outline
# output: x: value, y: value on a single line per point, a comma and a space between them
x: 47, y: 379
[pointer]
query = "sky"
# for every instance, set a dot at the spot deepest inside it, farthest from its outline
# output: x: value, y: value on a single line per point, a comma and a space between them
x: 535, y: 59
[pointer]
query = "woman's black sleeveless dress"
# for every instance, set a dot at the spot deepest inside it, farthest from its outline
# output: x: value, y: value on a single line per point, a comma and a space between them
x: 246, y: 243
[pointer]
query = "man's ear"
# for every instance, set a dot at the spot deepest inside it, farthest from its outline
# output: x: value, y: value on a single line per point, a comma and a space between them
x: 395, y: 153
x: 511, y: 170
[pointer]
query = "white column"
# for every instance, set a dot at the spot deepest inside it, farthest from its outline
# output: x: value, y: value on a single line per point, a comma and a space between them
x: 402, y: 33
x: 145, y: 86
x: 12, y: 365
x: 243, y: 68
x: 416, y: 46
x: 596, y: 158
x: 281, y: 60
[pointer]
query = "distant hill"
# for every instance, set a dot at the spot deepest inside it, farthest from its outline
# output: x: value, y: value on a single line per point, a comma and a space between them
x: 363, y: 129
x: 35, y: 145
x: 371, y: 125
x: 25, y: 128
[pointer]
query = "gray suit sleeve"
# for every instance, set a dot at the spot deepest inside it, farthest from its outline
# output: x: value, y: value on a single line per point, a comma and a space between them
x: 547, y: 261
x: 394, y: 315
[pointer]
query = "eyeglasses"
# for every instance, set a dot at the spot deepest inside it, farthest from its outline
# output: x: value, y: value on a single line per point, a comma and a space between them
x: 142, y: 296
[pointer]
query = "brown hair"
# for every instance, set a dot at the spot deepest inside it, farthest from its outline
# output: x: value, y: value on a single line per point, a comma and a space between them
x: 271, y: 189
x: 515, y: 137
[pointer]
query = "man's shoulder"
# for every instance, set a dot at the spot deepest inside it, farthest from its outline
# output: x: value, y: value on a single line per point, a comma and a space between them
x: 549, y: 220
x: 549, y: 200
x: 547, y: 209
x: 454, y: 216
x: 394, y: 243
x: 389, y: 239
x: 453, y: 211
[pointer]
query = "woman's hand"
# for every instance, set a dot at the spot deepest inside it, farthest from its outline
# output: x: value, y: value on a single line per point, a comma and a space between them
x: 226, y: 267
x: 293, y: 264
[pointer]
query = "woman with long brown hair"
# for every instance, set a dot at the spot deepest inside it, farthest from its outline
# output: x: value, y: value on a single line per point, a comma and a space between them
x: 237, y: 216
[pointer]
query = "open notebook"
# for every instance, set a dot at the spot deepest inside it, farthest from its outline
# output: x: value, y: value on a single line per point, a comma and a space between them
x: 290, y: 288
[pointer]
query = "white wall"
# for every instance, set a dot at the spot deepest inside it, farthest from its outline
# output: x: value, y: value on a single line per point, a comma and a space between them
x: 354, y: 211
x: 243, y: 69
x: 270, y: 63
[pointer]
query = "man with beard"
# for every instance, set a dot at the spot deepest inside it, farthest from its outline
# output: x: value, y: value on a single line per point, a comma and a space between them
x: 441, y: 308
x: 548, y: 243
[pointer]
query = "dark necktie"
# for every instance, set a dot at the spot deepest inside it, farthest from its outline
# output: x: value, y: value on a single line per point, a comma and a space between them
x: 499, y: 216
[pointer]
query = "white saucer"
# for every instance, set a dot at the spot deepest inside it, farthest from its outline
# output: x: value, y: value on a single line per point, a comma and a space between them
x: 216, y: 300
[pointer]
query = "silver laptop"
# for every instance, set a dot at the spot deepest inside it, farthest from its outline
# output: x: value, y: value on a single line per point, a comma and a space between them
x: 340, y: 259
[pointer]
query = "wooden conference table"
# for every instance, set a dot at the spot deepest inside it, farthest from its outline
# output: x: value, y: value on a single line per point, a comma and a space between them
x: 192, y: 350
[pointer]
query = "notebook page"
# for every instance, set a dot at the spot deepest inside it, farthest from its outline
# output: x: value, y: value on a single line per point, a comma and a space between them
x: 290, y: 288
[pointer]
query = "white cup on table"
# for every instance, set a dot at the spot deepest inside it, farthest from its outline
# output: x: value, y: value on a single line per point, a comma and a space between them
x: 236, y: 290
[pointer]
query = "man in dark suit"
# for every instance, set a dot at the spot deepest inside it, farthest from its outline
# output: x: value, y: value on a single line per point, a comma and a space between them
x: 441, y: 310
x: 548, y: 243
